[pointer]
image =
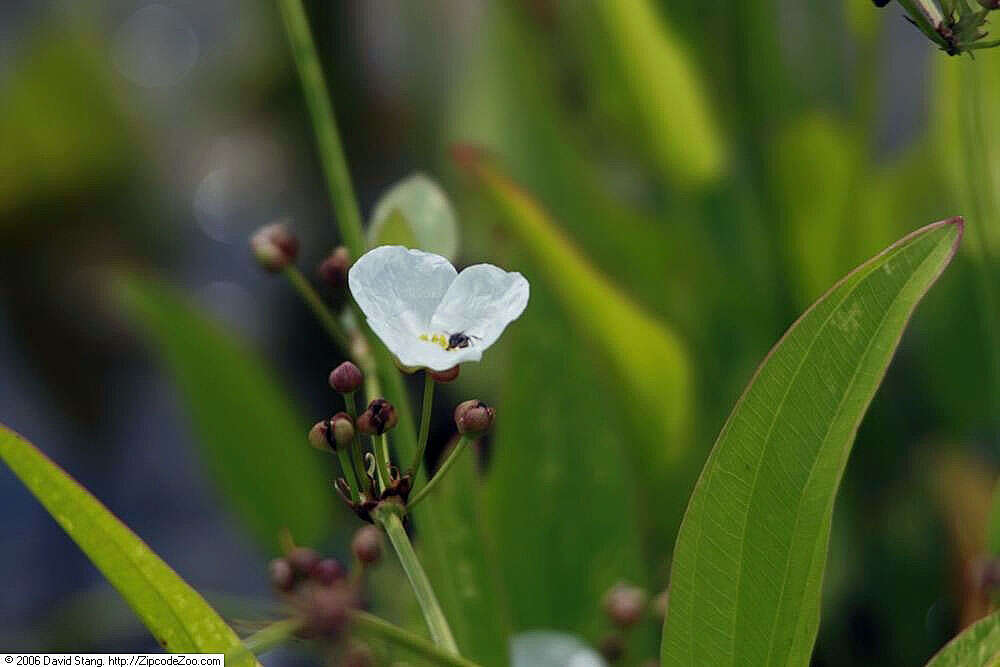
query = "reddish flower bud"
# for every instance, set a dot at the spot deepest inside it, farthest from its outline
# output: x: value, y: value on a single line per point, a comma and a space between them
x: 303, y: 560
x: 326, y: 609
x: 443, y: 377
x: 625, y: 604
x: 274, y: 247
x: 321, y: 437
x: 282, y: 574
x: 333, y: 269
x: 367, y: 545
x: 474, y: 417
x: 327, y: 571
x: 346, y: 378
x: 379, y: 417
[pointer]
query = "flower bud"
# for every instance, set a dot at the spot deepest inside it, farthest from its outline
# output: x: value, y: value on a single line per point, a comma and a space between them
x: 274, y: 247
x: 367, y: 545
x: 333, y: 269
x: 346, y: 378
x: 282, y: 575
x: 624, y: 604
x: 474, y: 417
x: 326, y: 609
x: 320, y: 436
x: 327, y: 571
x: 445, y: 376
x: 379, y: 417
x: 303, y: 560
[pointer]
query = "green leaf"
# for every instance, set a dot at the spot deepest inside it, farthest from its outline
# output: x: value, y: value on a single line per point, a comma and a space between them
x: 666, y: 91
x: 748, y: 565
x: 651, y: 361
x: 977, y: 646
x: 179, y: 618
x: 562, y: 498
x: 251, y: 437
x: 415, y: 213
x: 456, y: 550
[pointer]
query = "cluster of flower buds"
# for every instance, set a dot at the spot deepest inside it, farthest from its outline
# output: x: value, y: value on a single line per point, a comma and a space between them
x: 339, y: 434
x: 323, y: 594
x: 956, y: 26
x: 625, y: 606
x: 318, y: 589
x: 275, y: 248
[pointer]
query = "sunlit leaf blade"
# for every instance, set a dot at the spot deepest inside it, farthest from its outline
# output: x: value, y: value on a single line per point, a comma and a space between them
x: 650, y: 359
x: 249, y: 433
x: 415, y: 213
x: 749, y: 561
x: 977, y: 646
x: 666, y: 91
x: 455, y: 547
x: 561, y: 498
x: 179, y: 618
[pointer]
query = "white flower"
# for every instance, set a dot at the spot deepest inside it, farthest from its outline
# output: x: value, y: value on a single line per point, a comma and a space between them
x: 428, y: 314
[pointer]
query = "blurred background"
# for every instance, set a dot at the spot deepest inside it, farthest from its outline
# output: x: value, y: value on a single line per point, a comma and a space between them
x: 721, y: 163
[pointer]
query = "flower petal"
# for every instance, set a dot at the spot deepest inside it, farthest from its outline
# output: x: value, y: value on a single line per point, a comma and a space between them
x: 398, y: 289
x: 480, y: 303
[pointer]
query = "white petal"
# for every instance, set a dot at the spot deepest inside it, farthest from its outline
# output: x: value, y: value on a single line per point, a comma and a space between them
x: 423, y: 354
x: 398, y: 289
x: 480, y: 303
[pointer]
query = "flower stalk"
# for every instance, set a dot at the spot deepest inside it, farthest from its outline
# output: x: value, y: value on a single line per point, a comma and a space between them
x: 331, y: 152
x: 456, y: 452
x: 319, y: 309
x: 387, y: 516
x: 425, y: 424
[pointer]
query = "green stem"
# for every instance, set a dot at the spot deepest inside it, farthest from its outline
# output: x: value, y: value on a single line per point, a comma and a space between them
x: 359, y: 464
x: 463, y: 442
x: 425, y: 423
x: 388, y: 518
x: 373, y: 626
x: 976, y: 161
x: 380, y: 446
x: 320, y: 309
x: 270, y: 637
x: 350, y: 473
x: 338, y: 178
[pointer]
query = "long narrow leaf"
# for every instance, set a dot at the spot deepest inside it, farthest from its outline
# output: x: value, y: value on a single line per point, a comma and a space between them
x: 749, y: 561
x: 249, y: 433
x: 179, y: 618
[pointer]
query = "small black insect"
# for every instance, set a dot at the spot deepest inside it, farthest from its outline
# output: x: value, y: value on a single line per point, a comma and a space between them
x: 460, y: 339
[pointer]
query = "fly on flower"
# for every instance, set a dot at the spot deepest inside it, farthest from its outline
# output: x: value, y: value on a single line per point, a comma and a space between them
x: 428, y: 314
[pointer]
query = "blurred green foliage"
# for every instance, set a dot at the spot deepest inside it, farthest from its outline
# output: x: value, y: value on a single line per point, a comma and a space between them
x: 719, y: 163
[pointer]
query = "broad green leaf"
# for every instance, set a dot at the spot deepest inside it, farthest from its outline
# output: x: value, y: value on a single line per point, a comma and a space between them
x: 456, y: 549
x: 561, y: 496
x: 541, y: 648
x: 416, y: 213
x: 666, y: 90
x: 748, y: 565
x: 179, y: 618
x: 977, y: 646
x: 250, y: 435
x: 650, y: 359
